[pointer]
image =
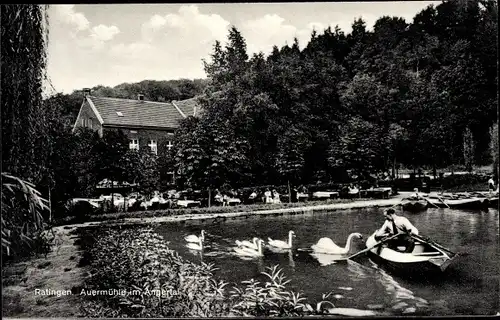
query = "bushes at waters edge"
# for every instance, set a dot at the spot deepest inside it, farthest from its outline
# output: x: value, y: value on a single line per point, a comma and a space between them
x: 164, y: 284
x: 168, y: 286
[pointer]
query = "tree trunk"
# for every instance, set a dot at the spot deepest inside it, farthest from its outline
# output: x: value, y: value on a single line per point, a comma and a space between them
x: 394, y: 168
x: 209, y: 196
x: 50, y: 208
x: 112, y: 196
x: 289, y: 192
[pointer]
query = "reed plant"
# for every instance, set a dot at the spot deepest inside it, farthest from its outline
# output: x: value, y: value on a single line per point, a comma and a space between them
x: 23, y: 226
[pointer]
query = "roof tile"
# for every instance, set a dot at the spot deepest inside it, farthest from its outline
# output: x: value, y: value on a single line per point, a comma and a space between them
x: 141, y: 113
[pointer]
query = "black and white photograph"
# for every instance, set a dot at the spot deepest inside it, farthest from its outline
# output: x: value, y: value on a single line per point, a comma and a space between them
x: 239, y: 159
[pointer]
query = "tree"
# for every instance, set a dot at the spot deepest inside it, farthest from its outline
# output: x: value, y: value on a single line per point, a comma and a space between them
x: 87, y: 165
x: 494, y: 147
x: 468, y: 150
x: 25, y: 148
x: 359, y: 148
x: 290, y: 157
x: 23, y: 60
x: 140, y: 167
x: 111, y: 149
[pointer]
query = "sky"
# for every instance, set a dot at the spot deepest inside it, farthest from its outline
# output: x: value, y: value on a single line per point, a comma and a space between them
x: 109, y: 44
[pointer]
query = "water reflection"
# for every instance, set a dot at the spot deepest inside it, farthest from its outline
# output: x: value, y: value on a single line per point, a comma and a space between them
x: 326, y: 259
x: 473, y: 223
x: 403, y: 299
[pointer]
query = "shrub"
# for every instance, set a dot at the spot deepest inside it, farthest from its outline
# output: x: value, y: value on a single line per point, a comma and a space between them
x: 163, y: 284
x: 22, y: 221
x: 272, y: 299
x: 465, y: 182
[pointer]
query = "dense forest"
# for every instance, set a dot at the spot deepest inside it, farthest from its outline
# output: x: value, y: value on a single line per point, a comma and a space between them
x: 348, y: 106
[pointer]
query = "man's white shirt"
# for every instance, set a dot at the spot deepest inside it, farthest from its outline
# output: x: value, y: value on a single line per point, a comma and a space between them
x: 402, y: 223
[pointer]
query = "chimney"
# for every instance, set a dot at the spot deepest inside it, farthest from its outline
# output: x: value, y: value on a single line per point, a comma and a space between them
x: 140, y: 97
x: 86, y: 92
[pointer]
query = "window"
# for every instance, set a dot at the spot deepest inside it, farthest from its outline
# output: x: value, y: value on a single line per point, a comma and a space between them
x: 119, y: 113
x: 90, y: 123
x: 154, y: 148
x: 134, y: 144
x: 83, y: 122
x: 169, y: 145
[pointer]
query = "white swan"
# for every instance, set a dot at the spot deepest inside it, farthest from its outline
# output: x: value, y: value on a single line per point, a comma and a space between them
x: 246, y: 243
x: 282, y: 244
x: 326, y: 245
x: 196, y: 246
x: 195, y: 239
x: 248, y: 252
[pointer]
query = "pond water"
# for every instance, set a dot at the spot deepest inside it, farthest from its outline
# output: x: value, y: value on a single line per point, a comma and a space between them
x: 469, y: 287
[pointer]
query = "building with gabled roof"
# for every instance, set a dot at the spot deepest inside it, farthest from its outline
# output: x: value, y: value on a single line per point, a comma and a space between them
x: 145, y: 123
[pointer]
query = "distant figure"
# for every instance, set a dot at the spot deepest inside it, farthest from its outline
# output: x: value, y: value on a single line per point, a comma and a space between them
x: 441, y: 179
x: 294, y: 195
x: 353, y: 191
x: 267, y: 196
x: 252, y: 197
x: 276, y: 196
x: 415, y: 195
x: 491, y: 184
x: 233, y: 193
x: 225, y: 200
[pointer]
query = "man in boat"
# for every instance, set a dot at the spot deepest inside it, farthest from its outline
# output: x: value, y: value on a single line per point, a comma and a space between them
x: 491, y: 184
x: 416, y: 195
x: 395, y: 224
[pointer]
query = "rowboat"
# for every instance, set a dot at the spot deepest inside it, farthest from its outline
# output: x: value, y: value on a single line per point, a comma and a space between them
x: 464, y: 203
x: 426, y: 258
x: 493, y: 202
x: 414, y: 205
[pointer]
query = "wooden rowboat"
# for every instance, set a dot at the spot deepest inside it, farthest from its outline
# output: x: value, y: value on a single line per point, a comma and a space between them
x: 465, y: 203
x: 493, y: 202
x: 414, y: 205
x: 426, y: 258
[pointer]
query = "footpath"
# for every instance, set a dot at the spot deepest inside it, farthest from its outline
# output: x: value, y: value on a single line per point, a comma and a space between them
x: 371, y: 203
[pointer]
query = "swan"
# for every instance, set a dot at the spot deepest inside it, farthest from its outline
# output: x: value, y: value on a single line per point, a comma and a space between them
x: 282, y: 244
x: 195, y: 239
x: 196, y: 246
x: 246, y: 243
x: 326, y: 245
x: 245, y: 251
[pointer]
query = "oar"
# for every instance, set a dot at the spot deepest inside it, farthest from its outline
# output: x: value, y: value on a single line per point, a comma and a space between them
x: 436, y: 245
x: 430, y: 202
x: 440, y: 199
x: 375, y: 245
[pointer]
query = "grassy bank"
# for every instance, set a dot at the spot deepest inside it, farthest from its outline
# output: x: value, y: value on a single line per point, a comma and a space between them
x: 60, y: 269
x: 150, y: 280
